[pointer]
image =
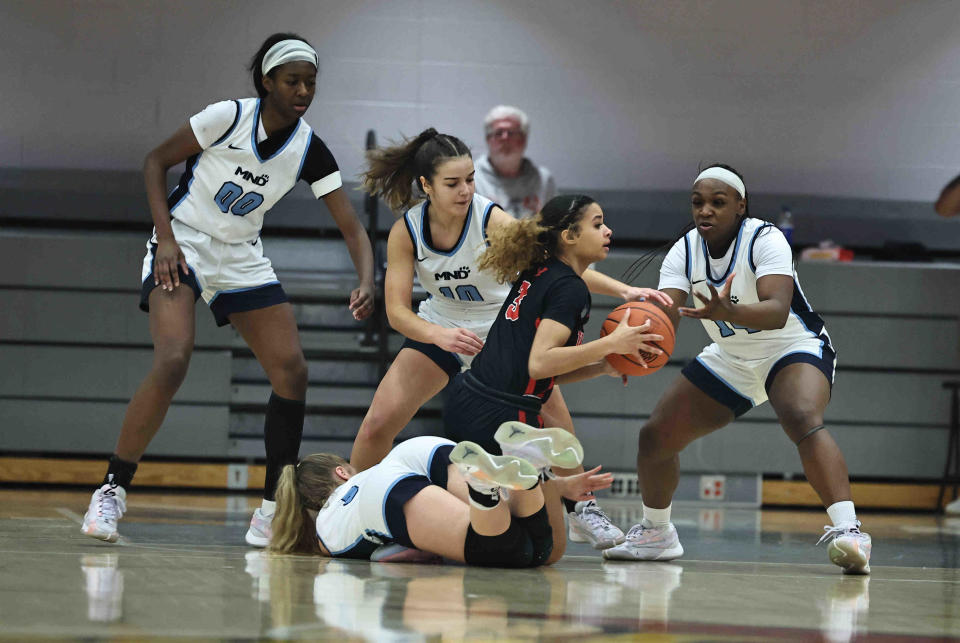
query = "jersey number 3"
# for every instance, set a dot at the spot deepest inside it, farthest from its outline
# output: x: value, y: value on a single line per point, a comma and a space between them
x: 231, y: 194
x: 513, y: 310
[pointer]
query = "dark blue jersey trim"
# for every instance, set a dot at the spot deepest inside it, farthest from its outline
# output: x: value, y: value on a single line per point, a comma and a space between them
x: 236, y: 119
x: 753, y: 264
x: 686, y: 248
x: 486, y: 219
x: 708, y: 271
x: 463, y: 232
x: 808, y: 318
x: 701, y: 376
x: 253, y: 135
x: 386, y: 496
x: 183, y: 187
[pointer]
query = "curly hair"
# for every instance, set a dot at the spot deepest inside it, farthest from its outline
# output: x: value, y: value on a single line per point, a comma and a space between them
x: 519, y: 245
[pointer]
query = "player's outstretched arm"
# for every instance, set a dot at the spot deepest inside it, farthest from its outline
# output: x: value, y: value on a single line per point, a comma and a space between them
x: 770, y: 313
x: 601, y: 284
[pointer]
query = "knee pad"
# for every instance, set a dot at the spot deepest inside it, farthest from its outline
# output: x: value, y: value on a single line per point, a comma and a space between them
x: 540, y: 532
x: 512, y: 548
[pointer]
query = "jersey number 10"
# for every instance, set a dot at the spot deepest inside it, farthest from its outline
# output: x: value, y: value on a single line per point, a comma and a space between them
x: 465, y: 292
x: 231, y: 194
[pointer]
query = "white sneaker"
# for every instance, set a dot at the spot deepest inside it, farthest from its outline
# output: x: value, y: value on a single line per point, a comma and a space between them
x: 488, y: 473
x: 588, y: 524
x: 543, y: 448
x: 259, y: 533
x: 848, y: 548
x: 106, y: 508
x: 952, y: 507
x: 645, y: 542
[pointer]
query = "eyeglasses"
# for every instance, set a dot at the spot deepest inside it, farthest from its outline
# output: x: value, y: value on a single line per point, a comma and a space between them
x: 502, y: 132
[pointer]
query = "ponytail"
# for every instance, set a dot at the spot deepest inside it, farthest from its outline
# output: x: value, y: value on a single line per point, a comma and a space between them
x: 301, y: 489
x: 393, y: 171
x: 524, y: 243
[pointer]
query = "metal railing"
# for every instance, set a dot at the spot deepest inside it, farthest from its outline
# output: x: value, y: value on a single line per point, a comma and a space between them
x: 377, y: 331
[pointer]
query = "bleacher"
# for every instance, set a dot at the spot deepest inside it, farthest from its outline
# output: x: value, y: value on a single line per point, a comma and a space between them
x: 74, y: 345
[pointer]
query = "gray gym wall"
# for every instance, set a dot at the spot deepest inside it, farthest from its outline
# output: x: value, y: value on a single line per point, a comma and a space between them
x: 851, y: 103
x: 853, y: 98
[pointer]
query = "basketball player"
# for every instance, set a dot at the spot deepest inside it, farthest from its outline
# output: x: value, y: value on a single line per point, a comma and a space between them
x: 439, y: 239
x: 431, y: 495
x: 536, y: 340
x: 767, y: 343
x: 241, y: 157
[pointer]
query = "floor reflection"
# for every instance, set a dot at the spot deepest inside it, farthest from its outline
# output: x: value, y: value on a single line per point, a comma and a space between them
x: 103, y: 583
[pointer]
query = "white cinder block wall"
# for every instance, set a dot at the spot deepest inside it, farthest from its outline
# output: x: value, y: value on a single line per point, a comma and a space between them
x: 852, y: 98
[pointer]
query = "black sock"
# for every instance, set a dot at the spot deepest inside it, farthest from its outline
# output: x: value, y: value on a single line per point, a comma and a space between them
x: 282, y: 432
x: 483, y: 499
x: 569, y: 505
x: 122, y: 472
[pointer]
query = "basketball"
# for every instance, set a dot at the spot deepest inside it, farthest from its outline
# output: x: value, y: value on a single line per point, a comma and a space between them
x: 640, y: 312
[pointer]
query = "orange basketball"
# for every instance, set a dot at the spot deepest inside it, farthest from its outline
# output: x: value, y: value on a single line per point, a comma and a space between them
x: 640, y: 312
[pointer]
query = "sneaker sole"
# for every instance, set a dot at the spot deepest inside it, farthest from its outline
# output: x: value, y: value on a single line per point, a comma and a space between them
x: 660, y: 554
x: 849, y: 558
x: 578, y: 534
x: 256, y: 541
x: 558, y: 447
x: 506, y: 471
x: 99, y: 535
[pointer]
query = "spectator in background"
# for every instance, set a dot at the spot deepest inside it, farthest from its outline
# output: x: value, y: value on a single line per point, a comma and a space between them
x: 504, y: 174
x: 948, y: 205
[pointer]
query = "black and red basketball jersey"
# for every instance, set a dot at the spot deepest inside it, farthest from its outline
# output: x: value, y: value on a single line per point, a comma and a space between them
x: 551, y: 290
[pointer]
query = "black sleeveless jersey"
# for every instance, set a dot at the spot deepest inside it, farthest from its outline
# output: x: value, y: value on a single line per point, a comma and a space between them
x: 551, y: 290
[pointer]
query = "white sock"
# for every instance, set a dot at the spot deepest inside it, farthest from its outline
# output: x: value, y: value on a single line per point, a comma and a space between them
x: 657, y: 517
x: 268, y: 507
x: 842, y: 512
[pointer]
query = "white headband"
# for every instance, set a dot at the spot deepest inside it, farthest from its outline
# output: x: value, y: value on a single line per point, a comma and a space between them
x: 287, y: 51
x: 724, y: 176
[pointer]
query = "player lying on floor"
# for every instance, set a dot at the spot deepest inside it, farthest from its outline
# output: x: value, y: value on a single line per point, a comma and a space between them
x: 440, y: 498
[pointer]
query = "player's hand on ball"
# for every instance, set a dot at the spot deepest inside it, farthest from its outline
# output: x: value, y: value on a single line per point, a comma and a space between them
x: 609, y: 369
x: 647, y: 294
x: 630, y: 340
x: 459, y: 340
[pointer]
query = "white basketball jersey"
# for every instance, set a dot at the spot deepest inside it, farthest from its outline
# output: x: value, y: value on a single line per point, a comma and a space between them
x: 460, y: 294
x: 742, y: 342
x: 230, y: 187
x: 352, y: 522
